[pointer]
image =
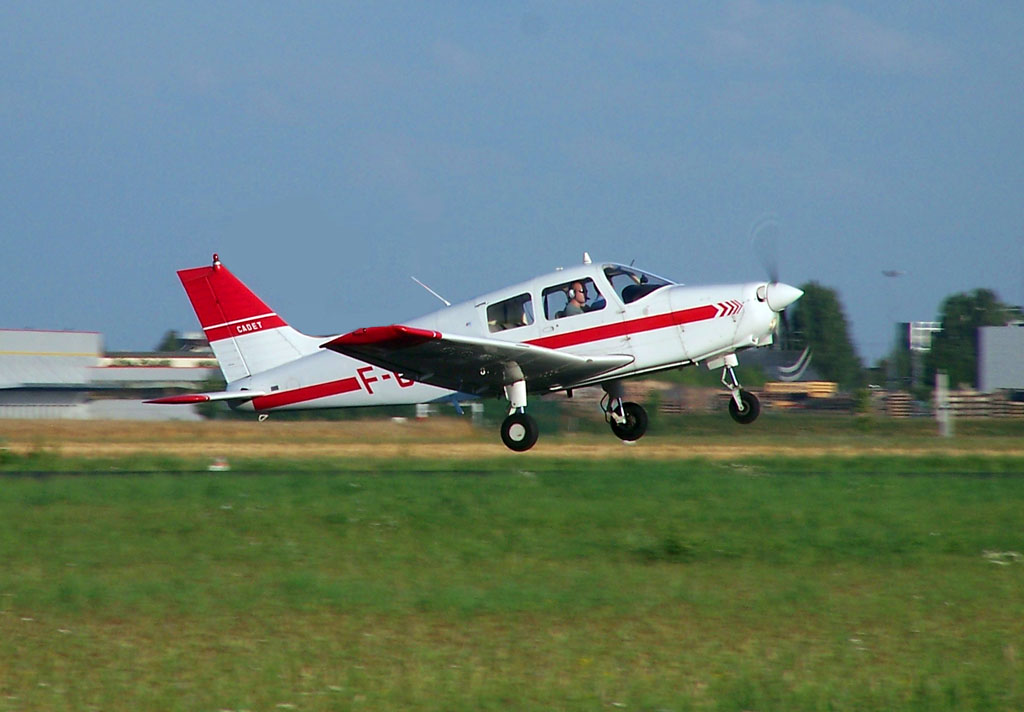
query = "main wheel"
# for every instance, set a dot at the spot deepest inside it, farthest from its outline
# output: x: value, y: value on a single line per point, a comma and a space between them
x: 635, y: 425
x: 519, y: 432
x: 750, y: 410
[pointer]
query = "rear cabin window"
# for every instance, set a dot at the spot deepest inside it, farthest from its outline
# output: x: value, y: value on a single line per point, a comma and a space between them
x: 510, y: 313
x: 572, y: 298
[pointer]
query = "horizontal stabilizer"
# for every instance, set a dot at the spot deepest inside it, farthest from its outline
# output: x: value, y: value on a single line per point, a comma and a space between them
x: 187, y: 398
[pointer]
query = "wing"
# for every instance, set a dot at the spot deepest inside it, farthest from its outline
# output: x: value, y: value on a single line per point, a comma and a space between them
x: 185, y: 398
x: 469, y: 364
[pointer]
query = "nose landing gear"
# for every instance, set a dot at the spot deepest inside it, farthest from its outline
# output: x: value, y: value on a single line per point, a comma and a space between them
x: 744, y: 407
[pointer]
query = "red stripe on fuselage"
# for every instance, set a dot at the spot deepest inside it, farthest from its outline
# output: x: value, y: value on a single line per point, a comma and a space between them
x: 301, y: 395
x: 624, y: 328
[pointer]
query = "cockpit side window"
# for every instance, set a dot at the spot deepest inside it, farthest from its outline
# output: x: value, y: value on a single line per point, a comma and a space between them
x: 571, y: 299
x: 510, y: 313
x: 632, y: 284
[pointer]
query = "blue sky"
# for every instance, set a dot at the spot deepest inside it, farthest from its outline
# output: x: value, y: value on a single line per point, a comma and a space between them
x: 330, y: 151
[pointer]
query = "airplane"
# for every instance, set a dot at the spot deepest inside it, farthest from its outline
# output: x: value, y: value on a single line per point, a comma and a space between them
x: 588, y: 325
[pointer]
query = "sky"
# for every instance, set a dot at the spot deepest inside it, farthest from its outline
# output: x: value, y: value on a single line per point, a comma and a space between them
x: 329, y: 151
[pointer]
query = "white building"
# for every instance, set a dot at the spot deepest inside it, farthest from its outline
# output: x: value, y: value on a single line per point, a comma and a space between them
x: 65, y: 374
x: 1000, y: 358
x: 43, y: 374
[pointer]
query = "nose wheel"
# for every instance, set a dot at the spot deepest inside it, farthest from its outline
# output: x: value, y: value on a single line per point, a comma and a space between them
x: 744, y: 407
x: 748, y: 409
x: 519, y: 432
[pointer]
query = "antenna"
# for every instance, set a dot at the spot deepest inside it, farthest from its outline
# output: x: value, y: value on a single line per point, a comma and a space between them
x: 446, y: 302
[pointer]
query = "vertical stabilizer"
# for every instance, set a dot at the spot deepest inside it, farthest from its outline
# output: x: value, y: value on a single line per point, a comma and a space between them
x: 246, y: 335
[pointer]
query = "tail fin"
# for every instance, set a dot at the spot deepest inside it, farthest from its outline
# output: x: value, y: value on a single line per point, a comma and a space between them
x: 245, y: 334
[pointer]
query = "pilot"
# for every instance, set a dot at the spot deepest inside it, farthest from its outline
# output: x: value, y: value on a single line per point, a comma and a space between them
x: 577, y: 300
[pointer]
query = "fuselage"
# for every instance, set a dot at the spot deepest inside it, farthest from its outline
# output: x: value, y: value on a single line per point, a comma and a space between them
x: 623, y: 311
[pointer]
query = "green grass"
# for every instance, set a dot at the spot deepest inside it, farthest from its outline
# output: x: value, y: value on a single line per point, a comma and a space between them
x: 803, y: 584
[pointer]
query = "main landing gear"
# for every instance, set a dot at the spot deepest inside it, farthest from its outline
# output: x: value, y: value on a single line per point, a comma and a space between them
x: 518, y: 430
x: 628, y: 420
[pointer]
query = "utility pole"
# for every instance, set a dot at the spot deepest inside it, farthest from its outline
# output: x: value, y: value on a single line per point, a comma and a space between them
x: 890, y: 371
x: 943, y: 411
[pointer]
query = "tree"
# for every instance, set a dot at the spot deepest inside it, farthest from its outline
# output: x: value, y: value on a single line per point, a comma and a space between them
x: 171, y: 341
x: 955, y: 349
x: 818, y: 321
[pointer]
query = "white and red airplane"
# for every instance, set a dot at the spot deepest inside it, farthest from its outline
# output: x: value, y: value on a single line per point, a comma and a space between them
x: 592, y: 324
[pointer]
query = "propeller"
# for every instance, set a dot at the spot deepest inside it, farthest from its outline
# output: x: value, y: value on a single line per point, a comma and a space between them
x: 765, y: 236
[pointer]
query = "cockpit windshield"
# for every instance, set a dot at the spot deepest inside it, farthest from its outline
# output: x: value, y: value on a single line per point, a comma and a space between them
x: 633, y: 284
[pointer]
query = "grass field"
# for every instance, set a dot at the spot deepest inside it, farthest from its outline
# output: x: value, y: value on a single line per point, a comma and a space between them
x: 786, y: 573
x: 671, y: 438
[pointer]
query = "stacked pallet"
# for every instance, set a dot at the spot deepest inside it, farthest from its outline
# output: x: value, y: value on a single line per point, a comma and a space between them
x: 670, y: 407
x: 808, y: 389
x: 899, y: 404
x: 1007, y: 409
x: 970, y: 404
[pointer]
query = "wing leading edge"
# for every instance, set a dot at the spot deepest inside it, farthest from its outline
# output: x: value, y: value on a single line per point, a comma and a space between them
x: 469, y: 364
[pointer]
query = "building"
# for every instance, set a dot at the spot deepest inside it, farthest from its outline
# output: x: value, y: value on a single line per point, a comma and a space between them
x: 913, y: 342
x: 916, y: 336
x: 1001, y: 358
x: 66, y: 374
x: 43, y: 374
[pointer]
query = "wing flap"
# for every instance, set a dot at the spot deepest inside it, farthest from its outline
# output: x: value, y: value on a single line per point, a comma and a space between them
x: 470, y: 364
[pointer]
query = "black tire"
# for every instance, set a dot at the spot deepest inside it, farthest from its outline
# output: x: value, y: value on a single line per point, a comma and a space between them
x: 635, y: 425
x: 750, y: 410
x: 519, y: 432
